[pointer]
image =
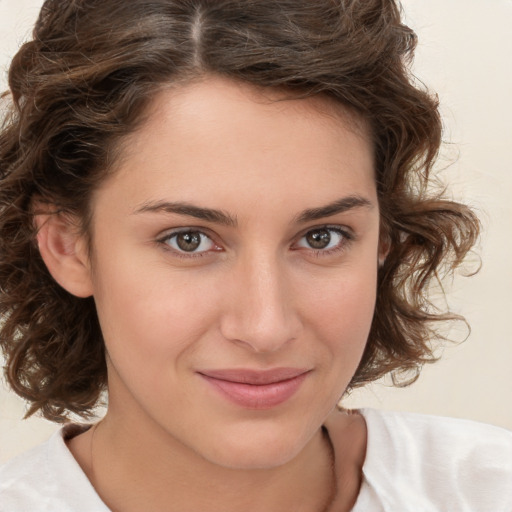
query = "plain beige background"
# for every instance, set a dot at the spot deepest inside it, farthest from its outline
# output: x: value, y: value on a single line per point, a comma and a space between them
x: 464, y: 54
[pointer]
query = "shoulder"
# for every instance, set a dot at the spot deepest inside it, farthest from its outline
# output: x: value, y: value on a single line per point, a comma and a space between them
x: 20, y: 476
x: 450, y: 463
x: 47, y: 479
x: 437, y: 437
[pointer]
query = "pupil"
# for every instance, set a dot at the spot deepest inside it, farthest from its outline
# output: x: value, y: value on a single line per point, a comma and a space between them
x: 319, y: 239
x: 188, y: 241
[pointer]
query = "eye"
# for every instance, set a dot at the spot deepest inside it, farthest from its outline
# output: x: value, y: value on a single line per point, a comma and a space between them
x: 189, y: 241
x: 324, y: 239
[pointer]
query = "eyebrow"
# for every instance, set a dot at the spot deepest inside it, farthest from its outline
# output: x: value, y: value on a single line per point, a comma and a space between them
x: 220, y: 217
x: 190, y: 210
x: 339, y: 206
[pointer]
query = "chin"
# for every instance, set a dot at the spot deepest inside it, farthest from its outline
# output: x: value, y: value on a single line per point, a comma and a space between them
x: 253, y: 459
x: 252, y: 450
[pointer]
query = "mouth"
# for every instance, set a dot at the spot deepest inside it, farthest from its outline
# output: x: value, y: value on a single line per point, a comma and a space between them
x: 256, y: 389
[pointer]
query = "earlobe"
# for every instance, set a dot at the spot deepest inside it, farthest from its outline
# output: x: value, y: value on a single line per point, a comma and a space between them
x: 64, y: 252
x: 384, y: 248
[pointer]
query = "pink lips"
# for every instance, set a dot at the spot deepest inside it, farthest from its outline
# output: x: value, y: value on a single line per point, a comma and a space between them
x: 254, y: 389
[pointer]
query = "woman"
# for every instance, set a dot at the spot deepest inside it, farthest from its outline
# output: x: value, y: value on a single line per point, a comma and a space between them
x: 219, y: 213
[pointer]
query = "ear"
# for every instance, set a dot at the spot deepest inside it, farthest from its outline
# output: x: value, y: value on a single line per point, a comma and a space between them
x: 64, y: 252
x: 384, y: 248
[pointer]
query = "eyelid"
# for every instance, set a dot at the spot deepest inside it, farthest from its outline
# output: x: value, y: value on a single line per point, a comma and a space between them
x: 167, y: 233
x: 344, y: 230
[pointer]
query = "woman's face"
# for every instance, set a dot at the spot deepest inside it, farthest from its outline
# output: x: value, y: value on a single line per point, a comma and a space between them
x: 234, y: 270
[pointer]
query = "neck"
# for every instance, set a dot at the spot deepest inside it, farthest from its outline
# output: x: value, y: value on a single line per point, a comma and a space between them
x: 142, y: 468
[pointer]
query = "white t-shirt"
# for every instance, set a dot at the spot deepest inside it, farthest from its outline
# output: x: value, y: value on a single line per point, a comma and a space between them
x: 413, y: 463
x: 421, y: 463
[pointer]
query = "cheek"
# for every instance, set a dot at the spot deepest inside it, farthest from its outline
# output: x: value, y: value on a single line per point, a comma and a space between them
x: 152, y: 329
x: 345, y: 296
x: 340, y: 310
x: 150, y: 315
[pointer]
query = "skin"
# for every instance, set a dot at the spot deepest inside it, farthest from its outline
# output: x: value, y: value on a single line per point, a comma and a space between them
x: 255, y: 294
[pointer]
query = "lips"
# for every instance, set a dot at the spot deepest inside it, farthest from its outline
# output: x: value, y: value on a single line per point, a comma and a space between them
x: 256, y: 389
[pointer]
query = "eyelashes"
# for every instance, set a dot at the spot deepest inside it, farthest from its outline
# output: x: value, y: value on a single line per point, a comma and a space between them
x: 194, y: 242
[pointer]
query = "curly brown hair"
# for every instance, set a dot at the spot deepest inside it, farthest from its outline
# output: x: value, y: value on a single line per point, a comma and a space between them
x: 84, y: 82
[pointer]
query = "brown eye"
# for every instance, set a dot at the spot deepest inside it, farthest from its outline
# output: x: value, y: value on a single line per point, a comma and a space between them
x: 190, y: 241
x: 318, y: 239
x: 325, y: 239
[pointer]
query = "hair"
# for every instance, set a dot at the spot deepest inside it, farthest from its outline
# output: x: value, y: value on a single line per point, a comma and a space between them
x: 85, y: 81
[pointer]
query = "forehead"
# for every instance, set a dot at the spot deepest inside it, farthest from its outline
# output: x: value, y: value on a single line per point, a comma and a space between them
x: 217, y: 137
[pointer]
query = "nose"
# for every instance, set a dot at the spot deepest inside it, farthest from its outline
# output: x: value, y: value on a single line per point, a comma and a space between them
x: 260, y: 311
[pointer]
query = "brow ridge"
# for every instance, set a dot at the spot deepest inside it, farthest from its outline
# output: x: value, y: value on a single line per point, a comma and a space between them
x: 220, y: 217
x: 190, y: 210
x: 339, y: 206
